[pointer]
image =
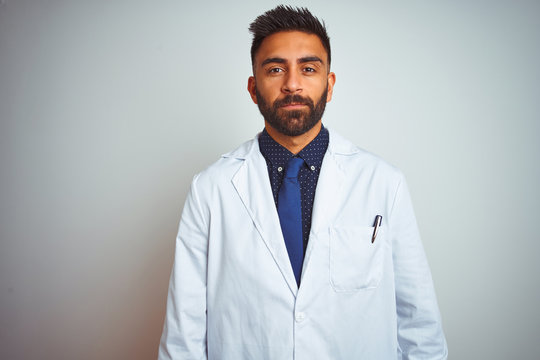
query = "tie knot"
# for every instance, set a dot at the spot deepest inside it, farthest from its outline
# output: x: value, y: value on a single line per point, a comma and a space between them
x: 293, y: 167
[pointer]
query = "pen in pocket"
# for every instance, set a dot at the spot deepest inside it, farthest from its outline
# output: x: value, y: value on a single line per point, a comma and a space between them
x: 376, y: 224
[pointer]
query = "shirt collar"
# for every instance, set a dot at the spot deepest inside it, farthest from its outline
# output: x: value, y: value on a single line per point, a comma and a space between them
x: 312, y: 153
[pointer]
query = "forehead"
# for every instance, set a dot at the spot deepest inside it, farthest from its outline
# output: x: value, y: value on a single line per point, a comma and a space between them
x: 290, y: 45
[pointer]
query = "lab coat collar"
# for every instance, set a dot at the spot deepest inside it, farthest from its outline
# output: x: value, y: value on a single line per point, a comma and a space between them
x: 337, y: 145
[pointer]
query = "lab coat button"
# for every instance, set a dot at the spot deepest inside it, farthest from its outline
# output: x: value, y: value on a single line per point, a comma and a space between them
x: 300, y: 316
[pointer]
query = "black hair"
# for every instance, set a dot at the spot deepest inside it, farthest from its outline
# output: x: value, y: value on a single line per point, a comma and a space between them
x: 287, y: 18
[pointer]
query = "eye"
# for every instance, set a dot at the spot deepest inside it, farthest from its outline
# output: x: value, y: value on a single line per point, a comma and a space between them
x: 309, y: 69
x: 275, y: 70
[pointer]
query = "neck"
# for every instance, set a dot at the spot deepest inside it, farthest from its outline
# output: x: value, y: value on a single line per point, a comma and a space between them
x: 294, y: 143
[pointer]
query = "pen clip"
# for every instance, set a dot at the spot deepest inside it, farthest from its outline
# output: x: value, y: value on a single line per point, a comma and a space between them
x: 376, y: 225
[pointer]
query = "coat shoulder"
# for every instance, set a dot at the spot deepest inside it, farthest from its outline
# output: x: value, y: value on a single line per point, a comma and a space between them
x: 355, y: 159
x: 227, y: 165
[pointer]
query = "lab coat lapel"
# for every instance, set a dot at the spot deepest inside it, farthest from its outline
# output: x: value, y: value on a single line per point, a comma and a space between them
x: 327, y: 199
x: 327, y: 194
x: 252, y: 183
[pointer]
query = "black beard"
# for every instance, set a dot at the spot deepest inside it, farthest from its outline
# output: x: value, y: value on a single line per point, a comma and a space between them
x: 292, y: 122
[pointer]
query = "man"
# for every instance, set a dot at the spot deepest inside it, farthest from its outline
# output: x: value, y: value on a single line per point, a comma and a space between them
x: 298, y: 244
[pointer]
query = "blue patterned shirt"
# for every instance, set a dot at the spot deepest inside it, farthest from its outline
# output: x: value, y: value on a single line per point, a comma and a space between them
x: 277, y: 158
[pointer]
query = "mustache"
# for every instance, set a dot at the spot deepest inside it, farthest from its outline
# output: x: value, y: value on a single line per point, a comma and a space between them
x: 293, y: 99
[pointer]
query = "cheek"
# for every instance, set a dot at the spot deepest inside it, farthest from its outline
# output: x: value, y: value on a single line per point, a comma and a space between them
x: 269, y: 88
x: 269, y: 95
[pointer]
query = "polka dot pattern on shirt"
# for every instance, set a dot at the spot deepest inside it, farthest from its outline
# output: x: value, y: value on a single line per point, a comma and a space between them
x: 277, y: 157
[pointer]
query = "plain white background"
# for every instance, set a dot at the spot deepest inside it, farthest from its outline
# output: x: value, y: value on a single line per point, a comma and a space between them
x: 108, y: 108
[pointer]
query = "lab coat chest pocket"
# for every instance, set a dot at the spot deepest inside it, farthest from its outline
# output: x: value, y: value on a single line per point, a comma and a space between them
x: 355, y: 262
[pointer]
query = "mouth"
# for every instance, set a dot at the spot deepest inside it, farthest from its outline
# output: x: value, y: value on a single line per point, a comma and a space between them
x: 293, y: 106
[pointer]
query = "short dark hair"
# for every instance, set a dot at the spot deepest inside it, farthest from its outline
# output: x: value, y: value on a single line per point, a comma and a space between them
x: 287, y: 18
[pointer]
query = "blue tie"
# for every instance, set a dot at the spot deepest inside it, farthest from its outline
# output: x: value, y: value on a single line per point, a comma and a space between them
x: 290, y: 215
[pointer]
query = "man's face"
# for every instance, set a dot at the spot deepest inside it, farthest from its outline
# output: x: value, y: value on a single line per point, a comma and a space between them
x: 291, y: 83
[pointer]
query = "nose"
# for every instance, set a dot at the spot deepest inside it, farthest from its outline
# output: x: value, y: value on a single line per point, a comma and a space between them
x: 292, y: 82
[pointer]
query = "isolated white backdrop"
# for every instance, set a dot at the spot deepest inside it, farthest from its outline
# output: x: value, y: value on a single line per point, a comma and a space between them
x: 108, y: 108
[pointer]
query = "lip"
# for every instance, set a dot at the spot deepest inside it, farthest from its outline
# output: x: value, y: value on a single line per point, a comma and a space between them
x: 293, y: 106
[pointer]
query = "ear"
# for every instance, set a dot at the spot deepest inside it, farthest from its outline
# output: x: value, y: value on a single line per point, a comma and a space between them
x: 252, y: 88
x: 331, y: 82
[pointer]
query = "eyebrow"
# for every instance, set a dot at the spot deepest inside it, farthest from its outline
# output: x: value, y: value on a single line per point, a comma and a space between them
x: 300, y: 61
x: 310, y: 59
x: 273, y: 60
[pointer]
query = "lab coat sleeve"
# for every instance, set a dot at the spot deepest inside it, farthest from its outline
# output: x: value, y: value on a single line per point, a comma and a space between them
x: 420, y: 334
x: 184, y: 331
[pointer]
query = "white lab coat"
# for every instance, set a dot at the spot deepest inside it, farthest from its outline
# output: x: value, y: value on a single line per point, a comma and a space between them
x: 232, y: 291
